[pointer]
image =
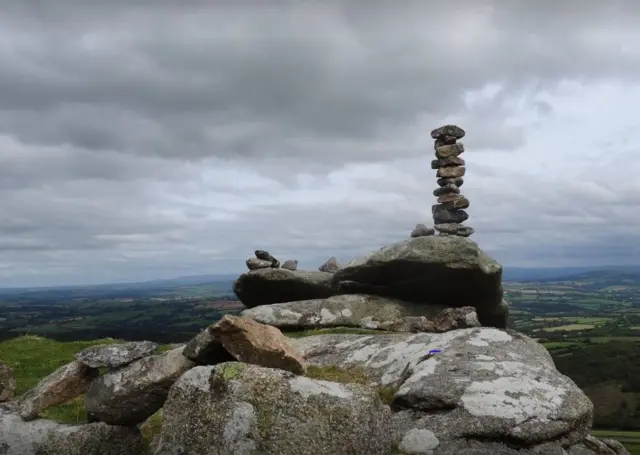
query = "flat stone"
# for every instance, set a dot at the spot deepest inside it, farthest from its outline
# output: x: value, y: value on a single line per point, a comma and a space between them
x: 331, y: 266
x: 451, y: 150
x: 449, y: 197
x: 7, y: 383
x: 338, y: 311
x: 421, y: 231
x: 444, y: 140
x: 448, y: 130
x: 451, y: 172
x: 290, y: 264
x: 255, y: 264
x: 259, y: 344
x: 266, y: 286
x: 266, y: 256
x: 64, y: 384
x: 441, y: 215
x: 447, y: 162
x: 113, y: 356
x: 458, y: 182
x: 447, y: 189
x: 454, y: 229
x: 240, y: 409
x: 129, y: 395
x: 455, y: 203
x: 205, y: 349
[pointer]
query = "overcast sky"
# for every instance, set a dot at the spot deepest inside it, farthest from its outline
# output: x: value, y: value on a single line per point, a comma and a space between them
x: 152, y: 139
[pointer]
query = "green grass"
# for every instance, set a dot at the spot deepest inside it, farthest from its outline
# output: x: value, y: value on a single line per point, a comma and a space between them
x: 560, y: 344
x: 608, y: 339
x: 32, y: 358
x: 570, y: 327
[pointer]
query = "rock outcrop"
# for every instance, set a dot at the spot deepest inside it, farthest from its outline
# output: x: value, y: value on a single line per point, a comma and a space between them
x: 350, y: 310
x: 45, y: 437
x: 488, y: 388
x: 246, y: 409
x: 446, y: 271
x: 260, y: 344
x: 7, y: 383
x: 205, y: 349
x: 266, y: 286
x: 113, y: 356
x: 64, y: 384
x: 129, y: 395
x: 331, y: 266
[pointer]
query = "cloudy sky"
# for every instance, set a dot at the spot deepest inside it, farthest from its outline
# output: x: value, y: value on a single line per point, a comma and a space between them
x: 150, y: 139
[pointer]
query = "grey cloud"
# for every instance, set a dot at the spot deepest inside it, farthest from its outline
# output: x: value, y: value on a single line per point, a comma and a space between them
x: 143, y: 140
x: 172, y: 79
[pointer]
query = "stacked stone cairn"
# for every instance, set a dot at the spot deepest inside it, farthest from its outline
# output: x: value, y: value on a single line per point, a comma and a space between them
x: 448, y: 213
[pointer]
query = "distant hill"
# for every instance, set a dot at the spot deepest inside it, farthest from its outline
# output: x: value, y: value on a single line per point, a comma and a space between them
x: 565, y: 273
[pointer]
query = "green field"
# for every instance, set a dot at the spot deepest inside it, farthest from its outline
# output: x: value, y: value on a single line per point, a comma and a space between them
x: 570, y: 327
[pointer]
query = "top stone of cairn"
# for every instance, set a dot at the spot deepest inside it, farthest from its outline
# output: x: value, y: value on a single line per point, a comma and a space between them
x: 448, y: 130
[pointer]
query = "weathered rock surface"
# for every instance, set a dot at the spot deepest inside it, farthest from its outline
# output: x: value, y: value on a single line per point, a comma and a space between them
x: 246, y: 409
x: 448, y: 130
x: 456, y: 318
x: 450, y: 172
x: 115, y: 355
x: 443, y: 216
x: 445, y: 182
x: 449, y: 188
x: 255, y: 264
x: 64, y: 384
x: 259, y: 344
x: 454, y: 229
x: 7, y: 382
x: 445, y: 162
x: 205, y: 349
x: 455, y: 202
x: 331, y: 266
x: 266, y: 286
x: 485, y: 387
x: 338, y: 311
x: 266, y: 256
x: 131, y: 394
x: 45, y: 437
x: 421, y: 231
x: 448, y: 151
x: 594, y: 446
x: 290, y: 264
x: 444, y: 271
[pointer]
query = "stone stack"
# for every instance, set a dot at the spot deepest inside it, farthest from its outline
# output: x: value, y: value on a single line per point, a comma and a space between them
x: 448, y: 213
x: 263, y: 260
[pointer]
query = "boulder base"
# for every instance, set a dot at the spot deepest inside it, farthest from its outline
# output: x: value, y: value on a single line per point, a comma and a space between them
x: 266, y: 286
x: 446, y: 271
x: 246, y: 409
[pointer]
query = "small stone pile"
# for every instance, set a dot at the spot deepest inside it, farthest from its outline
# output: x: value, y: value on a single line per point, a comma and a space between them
x: 263, y: 260
x: 448, y: 213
